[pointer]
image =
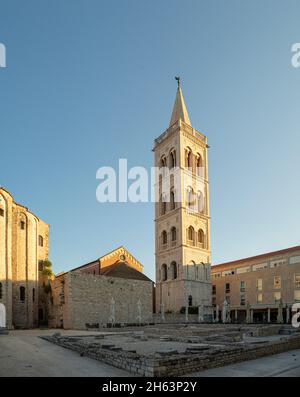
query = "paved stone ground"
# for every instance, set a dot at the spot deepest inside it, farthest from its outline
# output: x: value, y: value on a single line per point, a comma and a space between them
x: 279, y: 365
x: 23, y: 353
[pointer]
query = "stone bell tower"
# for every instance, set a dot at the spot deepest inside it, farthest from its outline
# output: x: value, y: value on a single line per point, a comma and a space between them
x: 182, y: 221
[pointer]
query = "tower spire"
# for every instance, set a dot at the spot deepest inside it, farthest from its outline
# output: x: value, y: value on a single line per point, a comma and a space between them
x: 179, y: 109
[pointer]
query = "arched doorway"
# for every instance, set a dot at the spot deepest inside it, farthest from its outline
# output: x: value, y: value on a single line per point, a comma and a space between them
x: 2, y: 316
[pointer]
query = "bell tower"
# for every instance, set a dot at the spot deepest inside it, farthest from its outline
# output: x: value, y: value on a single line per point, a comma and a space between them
x: 182, y: 221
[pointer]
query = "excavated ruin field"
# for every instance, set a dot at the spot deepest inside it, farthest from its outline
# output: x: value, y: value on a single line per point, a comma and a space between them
x: 173, y: 350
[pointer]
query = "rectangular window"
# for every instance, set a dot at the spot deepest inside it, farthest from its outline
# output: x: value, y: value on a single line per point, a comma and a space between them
x: 297, y: 295
x: 227, y: 288
x: 242, y: 286
x: 1, y: 212
x: 243, y: 300
x: 277, y: 263
x: 259, y: 284
x: 227, y: 273
x: 214, y: 289
x: 297, y: 280
x: 22, y: 225
x: 277, y: 282
x: 259, y: 297
x: 260, y: 266
x: 294, y: 259
x: 241, y: 270
x: 277, y: 296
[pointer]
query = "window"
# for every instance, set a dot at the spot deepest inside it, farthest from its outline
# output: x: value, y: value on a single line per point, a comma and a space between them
x: 199, y: 165
x: 297, y: 295
x: 33, y: 295
x: 1, y: 291
x: 227, y: 288
x: 190, y: 300
x: 294, y: 259
x: 164, y: 272
x: 277, y: 263
x: 277, y: 296
x: 173, y: 233
x: 243, y: 300
x: 188, y: 158
x: 41, y: 241
x: 242, y: 286
x: 1, y: 212
x: 190, y: 199
x: 22, y: 294
x: 172, y: 159
x: 297, y: 280
x: 259, y: 284
x: 227, y: 273
x: 164, y: 238
x: 172, y: 200
x: 22, y: 225
x: 163, y: 204
x: 174, y: 270
x: 41, y: 266
x: 191, y: 234
x: 277, y: 282
x: 201, y: 238
x: 200, y: 200
x: 214, y: 289
x: 260, y: 266
x: 259, y: 297
x: 244, y: 269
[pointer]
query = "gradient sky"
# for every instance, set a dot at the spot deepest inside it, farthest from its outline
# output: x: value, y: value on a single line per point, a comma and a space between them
x: 88, y: 82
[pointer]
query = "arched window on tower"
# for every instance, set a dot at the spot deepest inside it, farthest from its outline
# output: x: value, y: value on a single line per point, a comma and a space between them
x: 191, y: 235
x: 190, y: 199
x: 189, y: 159
x: 22, y: 294
x: 172, y: 200
x: 173, y: 234
x: 164, y: 238
x: 201, y: 238
x: 174, y: 270
x: 163, y: 204
x: 200, y: 202
x: 172, y: 158
x: 164, y: 272
x: 199, y: 165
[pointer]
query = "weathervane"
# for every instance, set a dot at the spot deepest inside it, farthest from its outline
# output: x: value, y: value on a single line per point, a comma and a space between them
x: 177, y: 78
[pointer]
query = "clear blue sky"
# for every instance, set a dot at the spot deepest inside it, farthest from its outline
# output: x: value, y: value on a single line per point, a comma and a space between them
x: 89, y: 82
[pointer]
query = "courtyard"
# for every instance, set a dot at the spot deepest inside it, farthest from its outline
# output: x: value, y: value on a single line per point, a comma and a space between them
x: 213, y: 349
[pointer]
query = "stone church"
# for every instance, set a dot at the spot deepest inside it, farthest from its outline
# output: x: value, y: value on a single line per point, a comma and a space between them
x: 23, y: 249
x: 111, y: 290
x: 182, y: 219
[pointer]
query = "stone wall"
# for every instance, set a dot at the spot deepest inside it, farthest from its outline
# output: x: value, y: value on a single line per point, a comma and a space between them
x: 80, y: 299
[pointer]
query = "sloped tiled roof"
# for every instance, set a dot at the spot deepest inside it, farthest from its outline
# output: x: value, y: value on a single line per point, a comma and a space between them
x: 122, y: 270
